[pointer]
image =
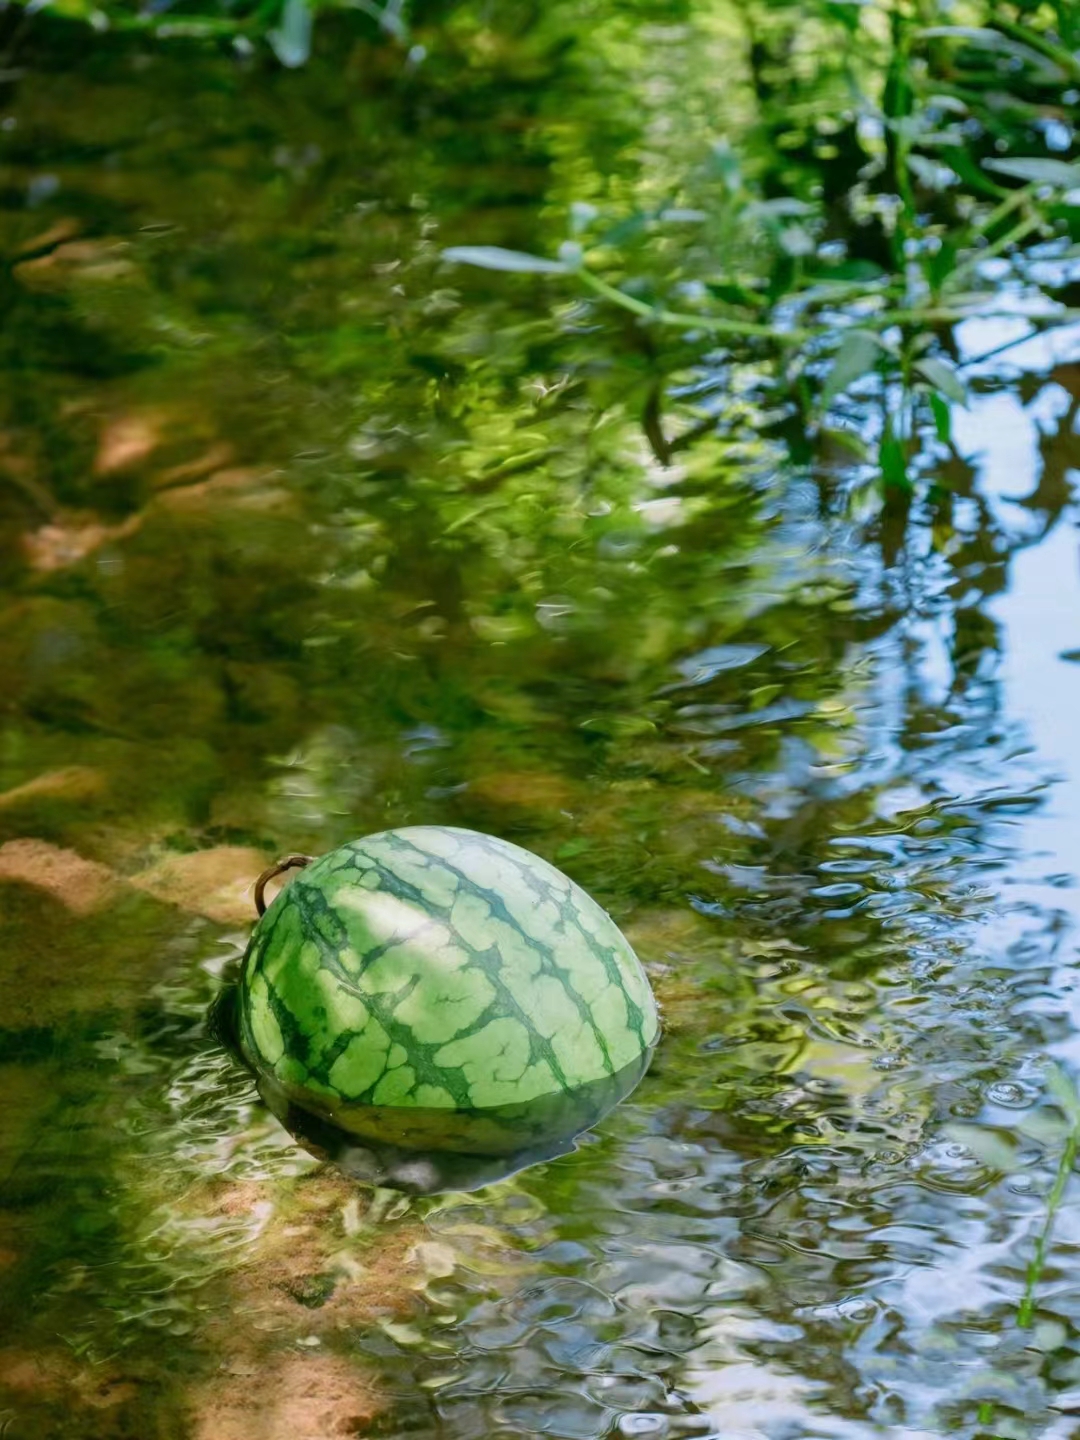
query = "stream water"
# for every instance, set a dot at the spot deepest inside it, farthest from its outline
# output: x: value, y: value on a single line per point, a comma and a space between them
x: 306, y: 533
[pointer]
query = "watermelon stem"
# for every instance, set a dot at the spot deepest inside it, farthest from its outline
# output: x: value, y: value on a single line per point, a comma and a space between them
x: 288, y: 862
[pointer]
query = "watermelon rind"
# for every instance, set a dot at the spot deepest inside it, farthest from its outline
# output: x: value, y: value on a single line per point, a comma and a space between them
x: 444, y: 990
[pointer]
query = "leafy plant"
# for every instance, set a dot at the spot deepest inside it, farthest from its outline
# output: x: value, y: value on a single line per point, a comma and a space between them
x: 853, y: 284
x: 1063, y: 1091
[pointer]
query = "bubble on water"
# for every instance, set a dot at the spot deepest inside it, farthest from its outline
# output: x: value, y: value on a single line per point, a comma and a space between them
x: 1022, y: 1184
x: 644, y: 1424
x: 888, y: 1062
x: 1013, y: 1094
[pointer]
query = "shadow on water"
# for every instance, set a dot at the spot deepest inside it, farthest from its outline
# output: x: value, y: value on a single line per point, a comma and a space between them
x: 416, y: 1170
x: 307, y: 534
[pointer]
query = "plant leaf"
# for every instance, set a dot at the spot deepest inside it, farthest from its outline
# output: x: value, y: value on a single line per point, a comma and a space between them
x: 1057, y: 173
x: 943, y: 378
x: 987, y: 39
x: 846, y: 440
x: 1047, y: 1127
x: 291, y: 41
x: 494, y: 257
x: 893, y: 462
x: 858, y: 354
x: 942, y: 418
x: 1063, y: 1089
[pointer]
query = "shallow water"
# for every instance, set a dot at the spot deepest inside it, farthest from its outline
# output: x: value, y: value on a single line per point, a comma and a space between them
x: 306, y: 534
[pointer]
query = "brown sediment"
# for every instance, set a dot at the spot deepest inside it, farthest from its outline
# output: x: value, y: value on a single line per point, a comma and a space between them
x: 244, y: 487
x: 680, y: 1000
x: 217, y: 883
x: 67, y: 228
x: 56, y: 1376
x: 286, y: 1397
x: 310, y: 1279
x: 79, y: 884
x: 668, y: 941
x: 307, y: 1273
x: 128, y: 439
x: 214, y: 458
x: 58, y: 545
x: 668, y: 934
x: 237, y: 1198
x: 98, y: 259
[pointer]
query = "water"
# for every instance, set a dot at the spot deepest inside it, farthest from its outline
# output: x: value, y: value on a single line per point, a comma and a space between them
x: 306, y: 534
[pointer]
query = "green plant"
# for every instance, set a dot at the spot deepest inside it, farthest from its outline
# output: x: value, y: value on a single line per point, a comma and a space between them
x: 854, y: 284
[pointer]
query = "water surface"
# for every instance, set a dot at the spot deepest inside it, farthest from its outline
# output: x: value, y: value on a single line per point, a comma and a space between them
x: 307, y: 534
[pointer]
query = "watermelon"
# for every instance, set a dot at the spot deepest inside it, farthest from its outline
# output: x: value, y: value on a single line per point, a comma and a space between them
x: 435, y: 989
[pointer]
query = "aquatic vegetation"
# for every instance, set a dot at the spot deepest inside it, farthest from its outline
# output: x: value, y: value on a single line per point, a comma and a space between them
x: 919, y: 181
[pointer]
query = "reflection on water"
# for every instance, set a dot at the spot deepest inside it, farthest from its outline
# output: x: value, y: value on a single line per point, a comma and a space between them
x: 308, y: 538
x: 415, y: 1169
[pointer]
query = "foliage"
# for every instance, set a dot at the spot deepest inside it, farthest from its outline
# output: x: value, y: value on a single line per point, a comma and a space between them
x: 862, y: 217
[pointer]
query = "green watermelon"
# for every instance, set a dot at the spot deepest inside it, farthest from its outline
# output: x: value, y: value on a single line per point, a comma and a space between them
x: 437, y: 989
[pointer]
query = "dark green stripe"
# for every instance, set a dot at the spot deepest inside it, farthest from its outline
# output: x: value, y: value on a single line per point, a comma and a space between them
x: 570, y: 913
x: 488, y: 961
x: 310, y: 902
x: 498, y: 908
